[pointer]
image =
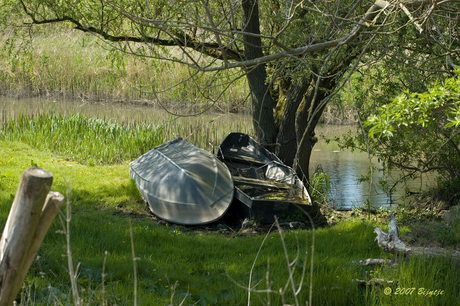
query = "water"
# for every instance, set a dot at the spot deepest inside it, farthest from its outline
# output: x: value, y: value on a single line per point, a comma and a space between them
x: 119, y: 112
x: 343, y: 167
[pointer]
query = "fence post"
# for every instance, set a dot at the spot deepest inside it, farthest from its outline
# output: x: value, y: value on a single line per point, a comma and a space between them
x: 26, y: 226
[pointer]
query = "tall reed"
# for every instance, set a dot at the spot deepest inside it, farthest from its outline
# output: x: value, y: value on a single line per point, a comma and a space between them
x: 99, y: 141
x: 89, y: 140
x: 65, y: 62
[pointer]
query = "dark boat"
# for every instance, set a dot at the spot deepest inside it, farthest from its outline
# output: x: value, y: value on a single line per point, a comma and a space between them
x: 182, y: 183
x: 264, y: 186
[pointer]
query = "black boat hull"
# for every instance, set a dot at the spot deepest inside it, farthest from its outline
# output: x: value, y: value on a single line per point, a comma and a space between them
x: 264, y: 186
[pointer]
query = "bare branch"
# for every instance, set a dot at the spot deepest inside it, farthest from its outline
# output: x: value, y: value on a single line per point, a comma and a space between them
x: 217, y: 49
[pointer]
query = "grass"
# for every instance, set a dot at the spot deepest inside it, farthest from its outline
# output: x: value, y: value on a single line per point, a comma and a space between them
x: 68, y: 63
x: 97, y: 141
x: 193, y: 265
x: 80, y: 138
x: 435, y: 233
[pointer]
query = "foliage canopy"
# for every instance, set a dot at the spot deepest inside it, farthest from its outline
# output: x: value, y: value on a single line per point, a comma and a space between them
x: 418, y: 132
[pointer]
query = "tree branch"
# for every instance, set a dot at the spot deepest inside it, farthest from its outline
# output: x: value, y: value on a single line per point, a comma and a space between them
x: 216, y: 49
x: 209, y: 49
x: 415, y: 168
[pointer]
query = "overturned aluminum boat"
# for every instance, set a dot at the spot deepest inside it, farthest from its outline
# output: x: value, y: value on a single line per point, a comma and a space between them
x: 264, y: 186
x: 183, y: 184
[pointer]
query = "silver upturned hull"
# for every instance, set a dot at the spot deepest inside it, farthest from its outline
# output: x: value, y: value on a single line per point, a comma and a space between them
x: 183, y: 184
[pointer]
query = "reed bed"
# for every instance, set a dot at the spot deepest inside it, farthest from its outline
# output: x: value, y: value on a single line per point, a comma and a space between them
x: 77, y: 137
x: 71, y: 64
x: 106, y: 141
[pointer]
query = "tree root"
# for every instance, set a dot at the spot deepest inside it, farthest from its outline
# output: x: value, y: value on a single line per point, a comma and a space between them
x: 377, y: 262
x: 391, y: 243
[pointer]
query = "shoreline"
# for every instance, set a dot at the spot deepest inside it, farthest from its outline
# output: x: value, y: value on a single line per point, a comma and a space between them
x: 94, y: 99
x: 331, y: 115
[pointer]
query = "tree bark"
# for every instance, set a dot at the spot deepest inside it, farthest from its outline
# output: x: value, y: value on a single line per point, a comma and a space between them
x: 287, y: 138
x: 311, y: 109
x: 305, y: 131
x: 262, y: 103
x: 50, y: 209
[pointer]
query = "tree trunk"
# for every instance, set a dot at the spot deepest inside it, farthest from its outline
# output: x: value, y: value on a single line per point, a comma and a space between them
x: 287, y: 139
x: 262, y: 104
x: 302, y: 109
x: 305, y: 133
x: 310, y: 111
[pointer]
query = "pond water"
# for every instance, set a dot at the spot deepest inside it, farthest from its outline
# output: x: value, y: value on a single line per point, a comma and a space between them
x: 117, y: 111
x: 343, y: 167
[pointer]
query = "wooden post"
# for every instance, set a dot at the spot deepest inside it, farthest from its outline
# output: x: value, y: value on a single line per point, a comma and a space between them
x: 27, y: 224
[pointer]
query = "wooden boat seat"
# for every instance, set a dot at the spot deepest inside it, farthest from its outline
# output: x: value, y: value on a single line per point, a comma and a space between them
x: 244, y: 160
x: 239, y: 180
x: 250, y: 172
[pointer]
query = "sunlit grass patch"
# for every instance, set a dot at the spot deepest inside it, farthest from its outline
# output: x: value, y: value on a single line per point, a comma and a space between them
x: 77, y: 137
x: 91, y: 187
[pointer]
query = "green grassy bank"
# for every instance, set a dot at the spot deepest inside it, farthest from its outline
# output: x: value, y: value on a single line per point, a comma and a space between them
x: 192, y: 265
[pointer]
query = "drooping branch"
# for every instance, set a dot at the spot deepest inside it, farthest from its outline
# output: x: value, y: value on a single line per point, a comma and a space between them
x: 426, y: 168
x: 415, y: 168
x: 452, y: 143
x: 216, y: 49
x: 213, y: 50
x: 229, y: 51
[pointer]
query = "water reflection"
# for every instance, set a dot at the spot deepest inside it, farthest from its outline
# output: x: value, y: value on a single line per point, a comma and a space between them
x: 120, y: 112
x: 344, y: 169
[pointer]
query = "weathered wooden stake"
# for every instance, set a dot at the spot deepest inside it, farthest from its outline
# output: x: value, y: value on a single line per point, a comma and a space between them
x: 51, y: 208
x: 27, y: 224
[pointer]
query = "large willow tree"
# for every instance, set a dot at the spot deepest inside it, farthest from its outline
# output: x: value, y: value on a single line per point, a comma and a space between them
x: 295, y: 54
